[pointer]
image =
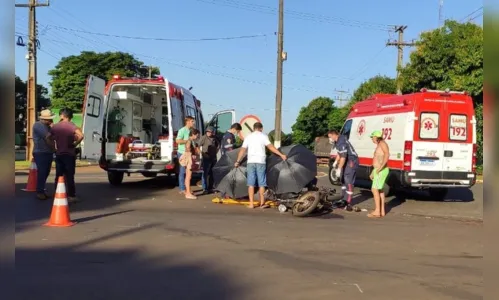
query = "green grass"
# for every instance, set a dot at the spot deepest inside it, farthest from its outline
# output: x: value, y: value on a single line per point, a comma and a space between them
x: 24, y: 165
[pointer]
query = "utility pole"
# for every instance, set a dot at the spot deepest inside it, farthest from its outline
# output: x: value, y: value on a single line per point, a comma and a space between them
x: 281, y: 57
x: 31, y: 82
x: 400, y: 44
x: 341, y: 98
x: 441, y: 13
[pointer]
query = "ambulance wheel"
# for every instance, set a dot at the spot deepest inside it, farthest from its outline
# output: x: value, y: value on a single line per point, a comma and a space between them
x: 333, y: 179
x: 115, y: 178
x: 438, y: 194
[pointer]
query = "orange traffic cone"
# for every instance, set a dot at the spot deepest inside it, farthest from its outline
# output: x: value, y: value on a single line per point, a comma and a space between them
x: 32, y: 178
x: 60, y: 211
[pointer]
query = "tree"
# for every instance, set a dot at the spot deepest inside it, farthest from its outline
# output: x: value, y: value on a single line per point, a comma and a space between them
x: 70, y: 74
x: 21, y: 99
x: 450, y: 57
x: 312, y: 121
x: 375, y: 85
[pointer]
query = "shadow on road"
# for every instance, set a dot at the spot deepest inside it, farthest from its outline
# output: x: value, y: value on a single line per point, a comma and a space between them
x: 454, y: 195
x: 96, y: 196
x: 75, y: 272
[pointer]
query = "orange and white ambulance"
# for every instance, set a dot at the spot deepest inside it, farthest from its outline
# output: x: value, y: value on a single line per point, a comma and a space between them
x: 431, y: 135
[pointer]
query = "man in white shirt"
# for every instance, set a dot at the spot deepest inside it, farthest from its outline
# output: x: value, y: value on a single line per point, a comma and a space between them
x: 255, y: 145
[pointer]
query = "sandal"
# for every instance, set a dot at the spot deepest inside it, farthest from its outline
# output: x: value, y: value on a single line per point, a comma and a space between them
x: 192, y: 197
x: 372, y: 215
x: 263, y: 206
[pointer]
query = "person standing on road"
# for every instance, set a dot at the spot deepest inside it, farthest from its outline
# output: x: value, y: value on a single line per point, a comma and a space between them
x: 379, y: 173
x: 255, y: 145
x: 65, y: 136
x: 43, y: 153
x: 346, y: 164
x: 229, y: 138
x: 182, y: 139
x: 209, y: 149
x: 187, y: 161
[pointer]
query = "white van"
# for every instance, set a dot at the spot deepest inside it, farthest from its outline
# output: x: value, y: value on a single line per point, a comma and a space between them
x: 130, y: 124
x: 431, y: 135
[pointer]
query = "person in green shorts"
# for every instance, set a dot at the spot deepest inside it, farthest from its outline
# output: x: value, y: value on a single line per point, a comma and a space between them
x: 379, y: 173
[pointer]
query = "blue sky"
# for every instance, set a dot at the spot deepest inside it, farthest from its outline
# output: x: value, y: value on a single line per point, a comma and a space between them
x: 331, y: 45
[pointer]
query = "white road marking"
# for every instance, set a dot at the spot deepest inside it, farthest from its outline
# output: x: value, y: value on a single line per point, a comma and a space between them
x: 352, y: 284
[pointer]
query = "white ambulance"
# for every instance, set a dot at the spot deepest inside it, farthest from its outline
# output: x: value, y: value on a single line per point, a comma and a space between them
x: 130, y: 124
x: 431, y: 135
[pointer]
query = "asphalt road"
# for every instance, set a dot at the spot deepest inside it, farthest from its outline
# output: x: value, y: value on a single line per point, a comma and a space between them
x: 460, y: 203
x: 143, y: 241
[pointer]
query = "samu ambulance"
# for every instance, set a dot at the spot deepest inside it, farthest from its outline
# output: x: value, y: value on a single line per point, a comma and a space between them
x: 130, y: 124
x: 431, y: 136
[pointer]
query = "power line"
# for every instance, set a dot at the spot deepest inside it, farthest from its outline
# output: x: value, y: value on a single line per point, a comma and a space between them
x: 164, y: 39
x: 215, y: 74
x: 169, y: 60
x: 365, y: 67
x: 300, y: 15
x: 472, y: 13
x: 477, y: 16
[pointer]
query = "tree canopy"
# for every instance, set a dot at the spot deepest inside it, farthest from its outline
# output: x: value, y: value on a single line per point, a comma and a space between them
x: 449, y: 57
x: 21, y: 96
x: 312, y: 121
x: 70, y: 74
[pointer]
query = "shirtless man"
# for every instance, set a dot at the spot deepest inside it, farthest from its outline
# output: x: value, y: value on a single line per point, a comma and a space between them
x: 379, y: 174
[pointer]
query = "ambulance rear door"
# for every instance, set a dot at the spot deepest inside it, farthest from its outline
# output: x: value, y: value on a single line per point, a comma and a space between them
x: 458, y: 151
x: 94, y: 108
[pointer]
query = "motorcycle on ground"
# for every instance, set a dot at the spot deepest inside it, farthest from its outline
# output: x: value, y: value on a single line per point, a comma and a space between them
x: 311, y: 200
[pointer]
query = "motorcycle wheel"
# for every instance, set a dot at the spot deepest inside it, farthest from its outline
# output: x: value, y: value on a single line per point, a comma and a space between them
x: 306, y: 204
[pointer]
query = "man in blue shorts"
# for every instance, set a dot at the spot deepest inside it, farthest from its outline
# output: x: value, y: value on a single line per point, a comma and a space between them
x: 255, y: 145
x: 347, y: 162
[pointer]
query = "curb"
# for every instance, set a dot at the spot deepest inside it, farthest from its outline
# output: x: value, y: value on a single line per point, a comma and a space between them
x: 53, y: 168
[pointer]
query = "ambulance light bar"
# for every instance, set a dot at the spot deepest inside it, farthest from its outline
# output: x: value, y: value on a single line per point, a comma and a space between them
x: 447, y: 91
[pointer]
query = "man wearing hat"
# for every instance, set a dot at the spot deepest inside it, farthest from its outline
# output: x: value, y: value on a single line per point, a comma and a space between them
x: 209, y: 149
x: 43, y: 153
